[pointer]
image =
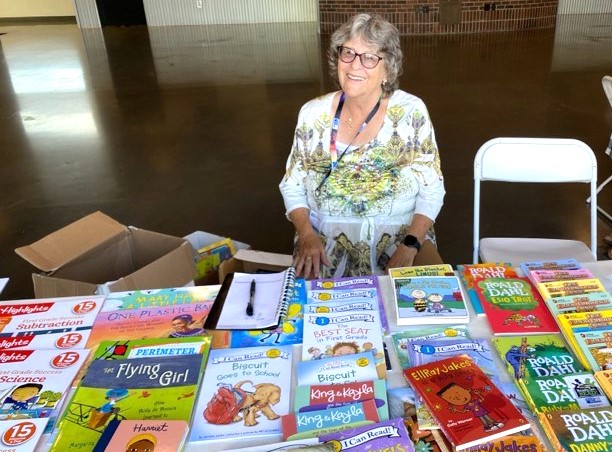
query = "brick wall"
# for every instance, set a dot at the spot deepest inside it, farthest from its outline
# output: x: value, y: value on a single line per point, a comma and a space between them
x: 445, y: 16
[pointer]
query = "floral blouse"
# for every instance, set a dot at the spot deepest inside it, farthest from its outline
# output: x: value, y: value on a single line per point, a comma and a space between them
x: 364, y: 207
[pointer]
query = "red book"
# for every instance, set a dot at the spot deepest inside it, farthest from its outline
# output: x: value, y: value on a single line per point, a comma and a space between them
x: 467, y: 405
x: 513, y: 306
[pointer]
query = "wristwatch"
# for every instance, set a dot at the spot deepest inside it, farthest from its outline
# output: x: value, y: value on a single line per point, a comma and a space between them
x: 412, y: 242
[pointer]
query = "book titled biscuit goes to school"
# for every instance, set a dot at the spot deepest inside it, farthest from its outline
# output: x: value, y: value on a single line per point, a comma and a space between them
x: 467, y: 405
x: 142, y: 379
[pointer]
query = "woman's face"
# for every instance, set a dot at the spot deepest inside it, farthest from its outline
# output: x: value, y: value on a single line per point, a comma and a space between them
x: 180, y: 325
x: 357, y: 80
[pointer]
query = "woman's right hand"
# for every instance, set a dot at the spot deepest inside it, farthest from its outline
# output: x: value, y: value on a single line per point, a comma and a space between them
x: 310, y: 256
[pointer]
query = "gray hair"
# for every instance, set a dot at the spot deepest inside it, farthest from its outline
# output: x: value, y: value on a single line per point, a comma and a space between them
x: 377, y: 32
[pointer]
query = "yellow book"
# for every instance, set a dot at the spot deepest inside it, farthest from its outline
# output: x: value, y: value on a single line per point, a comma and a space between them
x: 421, y: 270
x: 577, y: 322
x: 604, y: 378
x: 564, y: 288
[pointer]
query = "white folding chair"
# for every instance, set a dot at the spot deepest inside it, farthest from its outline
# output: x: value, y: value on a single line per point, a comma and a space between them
x: 607, y: 86
x: 547, y: 160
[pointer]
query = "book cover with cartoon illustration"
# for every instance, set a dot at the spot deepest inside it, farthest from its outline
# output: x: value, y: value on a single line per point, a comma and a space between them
x: 50, y: 323
x: 346, y: 333
x: 579, y: 430
x: 347, y: 284
x: 597, y: 348
x: 140, y: 436
x: 512, y: 306
x: 287, y: 333
x: 337, y: 369
x: 388, y: 435
x: 160, y: 298
x: 469, y: 408
x: 34, y: 383
x: 22, y: 435
x: 539, y: 355
x: 563, y: 392
x: 426, y: 300
x: 312, y: 424
x: 322, y: 397
x: 470, y: 272
x: 244, y: 394
x: 146, y: 379
x: 604, y: 378
x: 401, y: 339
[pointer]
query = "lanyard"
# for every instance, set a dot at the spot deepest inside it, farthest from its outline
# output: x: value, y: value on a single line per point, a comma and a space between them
x: 334, y: 134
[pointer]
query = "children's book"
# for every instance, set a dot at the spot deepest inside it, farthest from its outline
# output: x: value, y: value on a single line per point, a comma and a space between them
x: 579, y: 322
x: 210, y: 256
x: 325, y: 297
x: 469, y: 272
x: 563, y: 392
x: 401, y: 339
x: 58, y: 323
x: 596, y: 346
x: 303, y: 445
x: 578, y: 430
x: 544, y: 276
x: 351, y: 332
x: 426, y: 440
x: 160, y: 298
x: 390, y: 435
x: 604, y: 378
x: 467, y: 405
x: 244, y: 394
x: 594, y: 301
x: 422, y: 270
x: 146, y: 379
x: 341, y: 306
x: 35, y: 383
x: 312, y: 424
x: 570, y: 287
x: 513, y: 307
x: 322, y: 397
x: 426, y: 300
x: 289, y: 332
x: 537, y: 355
x: 356, y: 282
x: 337, y: 369
x: 138, y: 435
x: 22, y: 435
x: 255, y: 301
x: 555, y: 264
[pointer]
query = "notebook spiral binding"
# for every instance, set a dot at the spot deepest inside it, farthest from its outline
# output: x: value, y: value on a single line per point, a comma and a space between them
x: 288, y: 285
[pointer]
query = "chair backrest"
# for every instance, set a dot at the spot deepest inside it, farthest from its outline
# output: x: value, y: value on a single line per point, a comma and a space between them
x: 606, y: 81
x: 546, y: 160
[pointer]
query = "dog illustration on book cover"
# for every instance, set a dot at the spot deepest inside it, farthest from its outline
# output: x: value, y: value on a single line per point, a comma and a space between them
x: 235, y: 404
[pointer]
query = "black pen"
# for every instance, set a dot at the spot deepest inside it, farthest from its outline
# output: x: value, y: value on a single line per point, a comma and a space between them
x: 251, y: 306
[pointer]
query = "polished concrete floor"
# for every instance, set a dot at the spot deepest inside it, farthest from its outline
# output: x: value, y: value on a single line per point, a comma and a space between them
x: 183, y: 129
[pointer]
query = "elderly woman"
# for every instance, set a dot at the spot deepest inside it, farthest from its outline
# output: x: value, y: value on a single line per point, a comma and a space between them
x: 363, y: 183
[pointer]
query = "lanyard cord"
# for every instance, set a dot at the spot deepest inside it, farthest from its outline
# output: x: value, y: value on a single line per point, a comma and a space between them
x: 334, y: 134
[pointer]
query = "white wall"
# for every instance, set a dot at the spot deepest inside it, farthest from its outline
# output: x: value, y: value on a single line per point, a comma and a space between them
x: 584, y: 7
x: 36, y: 8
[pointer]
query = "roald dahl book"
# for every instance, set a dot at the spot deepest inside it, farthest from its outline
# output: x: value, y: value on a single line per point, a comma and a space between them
x: 468, y: 273
x: 139, y: 379
x: 467, y: 405
x: 579, y: 430
x: 244, y: 394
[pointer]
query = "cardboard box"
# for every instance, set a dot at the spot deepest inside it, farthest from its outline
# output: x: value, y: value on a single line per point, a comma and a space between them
x: 208, y: 272
x: 251, y: 261
x: 97, y: 254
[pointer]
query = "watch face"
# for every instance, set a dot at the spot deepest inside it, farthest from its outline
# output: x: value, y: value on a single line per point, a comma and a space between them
x: 412, y: 241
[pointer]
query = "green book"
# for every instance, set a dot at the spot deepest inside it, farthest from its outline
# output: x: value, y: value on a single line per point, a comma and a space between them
x: 146, y: 379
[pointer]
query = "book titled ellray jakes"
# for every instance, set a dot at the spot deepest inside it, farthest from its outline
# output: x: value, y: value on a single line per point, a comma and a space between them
x: 466, y: 404
x: 140, y: 379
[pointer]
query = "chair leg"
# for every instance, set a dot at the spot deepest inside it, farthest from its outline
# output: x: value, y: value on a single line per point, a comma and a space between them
x: 601, y: 186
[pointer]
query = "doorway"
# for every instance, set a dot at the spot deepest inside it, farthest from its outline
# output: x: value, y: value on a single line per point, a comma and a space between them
x: 121, y: 12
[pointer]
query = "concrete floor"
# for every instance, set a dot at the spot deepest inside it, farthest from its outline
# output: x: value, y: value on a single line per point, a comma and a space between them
x: 178, y: 129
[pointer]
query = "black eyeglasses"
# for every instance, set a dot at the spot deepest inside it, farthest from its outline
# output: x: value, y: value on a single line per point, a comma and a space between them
x: 368, y: 60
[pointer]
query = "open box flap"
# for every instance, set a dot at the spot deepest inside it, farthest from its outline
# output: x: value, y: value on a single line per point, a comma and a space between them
x: 68, y: 243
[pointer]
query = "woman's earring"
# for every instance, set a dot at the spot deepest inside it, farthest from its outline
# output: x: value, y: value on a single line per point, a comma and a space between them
x: 384, y: 82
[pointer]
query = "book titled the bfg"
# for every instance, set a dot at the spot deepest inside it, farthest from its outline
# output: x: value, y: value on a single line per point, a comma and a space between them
x: 244, y: 394
x: 139, y: 379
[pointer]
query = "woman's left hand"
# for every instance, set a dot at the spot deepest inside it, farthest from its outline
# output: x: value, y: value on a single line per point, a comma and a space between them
x: 402, y: 257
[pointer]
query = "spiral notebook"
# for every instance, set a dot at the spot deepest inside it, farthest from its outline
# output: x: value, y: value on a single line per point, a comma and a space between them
x: 267, y: 294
